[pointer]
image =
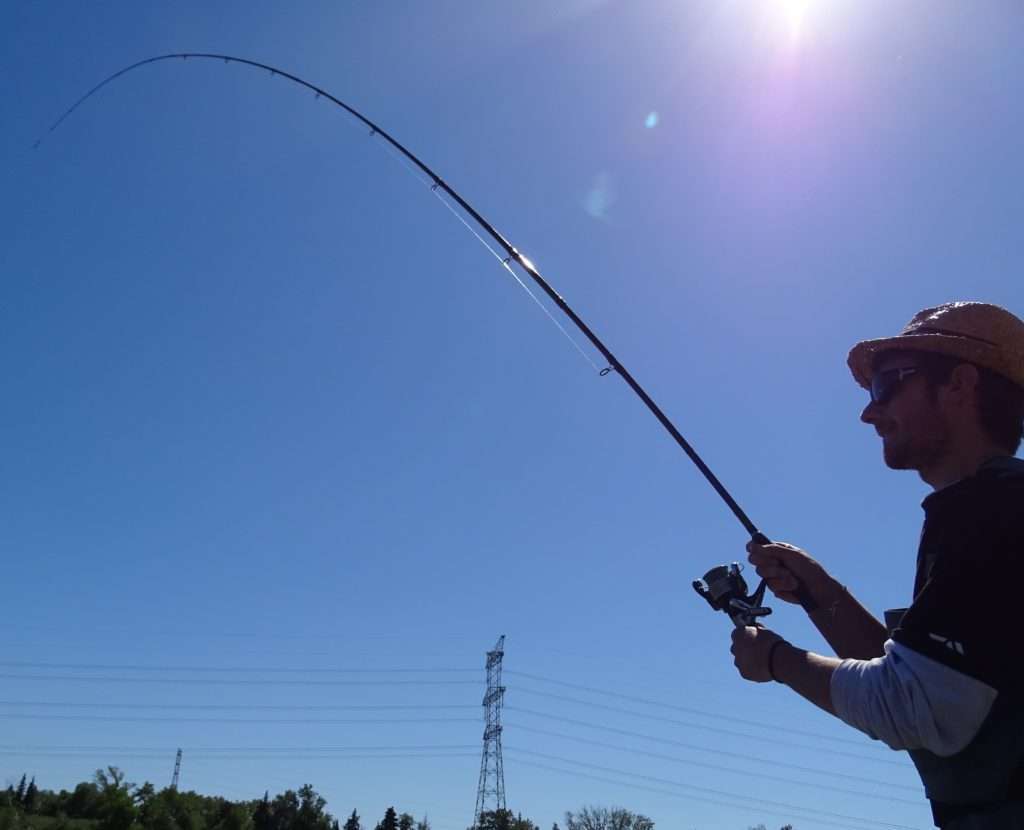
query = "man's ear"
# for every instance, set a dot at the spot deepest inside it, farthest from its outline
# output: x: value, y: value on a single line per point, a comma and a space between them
x: 963, y: 382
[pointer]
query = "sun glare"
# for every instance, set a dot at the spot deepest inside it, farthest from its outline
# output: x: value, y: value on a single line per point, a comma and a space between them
x: 791, y: 21
x: 794, y: 16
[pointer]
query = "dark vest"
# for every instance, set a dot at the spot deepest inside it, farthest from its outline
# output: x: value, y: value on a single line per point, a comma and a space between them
x: 965, y: 615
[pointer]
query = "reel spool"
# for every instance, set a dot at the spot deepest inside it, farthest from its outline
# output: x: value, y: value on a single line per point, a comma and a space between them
x: 725, y: 590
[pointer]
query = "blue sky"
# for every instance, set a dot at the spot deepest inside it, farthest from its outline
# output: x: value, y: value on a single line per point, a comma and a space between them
x: 269, y: 409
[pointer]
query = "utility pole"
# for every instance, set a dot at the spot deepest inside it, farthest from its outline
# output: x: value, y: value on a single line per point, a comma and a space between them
x: 177, y: 771
x: 490, y: 792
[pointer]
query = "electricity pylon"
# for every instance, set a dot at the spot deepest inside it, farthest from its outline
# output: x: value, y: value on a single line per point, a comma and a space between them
x: 490, y: 792
x: 177, y: 770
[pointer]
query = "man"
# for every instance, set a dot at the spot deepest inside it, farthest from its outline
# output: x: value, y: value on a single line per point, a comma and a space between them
x: 943, y: 679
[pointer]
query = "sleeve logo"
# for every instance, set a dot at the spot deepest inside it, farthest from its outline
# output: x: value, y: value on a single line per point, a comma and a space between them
x: 952, y: 645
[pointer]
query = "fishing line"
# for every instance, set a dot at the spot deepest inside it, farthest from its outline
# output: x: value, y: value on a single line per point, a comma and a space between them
x: 435, y: 189
x: 504, y: 264
x: 512, y: 255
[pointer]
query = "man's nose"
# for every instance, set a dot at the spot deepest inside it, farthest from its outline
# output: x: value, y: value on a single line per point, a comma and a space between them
x: 869, y: 415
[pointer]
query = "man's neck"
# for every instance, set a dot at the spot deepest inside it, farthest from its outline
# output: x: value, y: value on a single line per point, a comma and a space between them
x: 960, y: 463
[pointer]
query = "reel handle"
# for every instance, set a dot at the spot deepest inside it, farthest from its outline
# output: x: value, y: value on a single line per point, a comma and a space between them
x: 803, y: 596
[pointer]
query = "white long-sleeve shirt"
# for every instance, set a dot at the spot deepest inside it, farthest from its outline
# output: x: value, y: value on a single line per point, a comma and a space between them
x: 910, y: 701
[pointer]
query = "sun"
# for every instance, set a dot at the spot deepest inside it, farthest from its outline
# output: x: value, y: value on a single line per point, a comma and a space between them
x: 794, y: 15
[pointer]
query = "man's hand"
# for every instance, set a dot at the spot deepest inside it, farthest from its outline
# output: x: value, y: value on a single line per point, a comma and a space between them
x: 785, y: 568
x: 750, y: 649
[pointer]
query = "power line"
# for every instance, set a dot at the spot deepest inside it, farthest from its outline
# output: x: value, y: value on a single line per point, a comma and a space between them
x: 126, y: 719
x: 241, y: 757
x: 25, y: 664
x: 769, y: 802
x: 235, y: 682
x: 743, y: 804
x: 260, y: 749
x: 748, y: 774
x: 648, y: 702
x: 717, y: 730
x: 743, y: 756
x: 289, y: 707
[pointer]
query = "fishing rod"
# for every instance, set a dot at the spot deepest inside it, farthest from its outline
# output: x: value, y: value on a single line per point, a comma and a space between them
x: 722, y: 586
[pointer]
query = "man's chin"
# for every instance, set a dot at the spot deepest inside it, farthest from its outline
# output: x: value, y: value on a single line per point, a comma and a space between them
x: 897, y: 458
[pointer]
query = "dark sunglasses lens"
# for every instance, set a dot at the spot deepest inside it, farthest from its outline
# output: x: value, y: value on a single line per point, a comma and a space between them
x: 882, y: 384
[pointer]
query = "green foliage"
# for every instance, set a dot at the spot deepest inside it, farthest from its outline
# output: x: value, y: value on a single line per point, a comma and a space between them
x: 31, y: 800
x: 604, y: 818
x: 503, y: 820
x: 10, y: 818
x: 390, y: 820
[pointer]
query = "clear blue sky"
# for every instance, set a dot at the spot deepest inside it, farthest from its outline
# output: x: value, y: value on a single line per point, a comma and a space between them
x: 267, y: 405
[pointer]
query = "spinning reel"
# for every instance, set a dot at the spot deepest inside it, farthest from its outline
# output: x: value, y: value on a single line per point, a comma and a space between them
x: 725, y: 590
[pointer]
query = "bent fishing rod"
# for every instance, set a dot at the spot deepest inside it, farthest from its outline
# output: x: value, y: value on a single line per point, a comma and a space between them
x: 722, y: 586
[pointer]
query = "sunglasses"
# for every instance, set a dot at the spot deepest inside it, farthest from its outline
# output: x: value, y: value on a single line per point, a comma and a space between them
x: 884, y: 384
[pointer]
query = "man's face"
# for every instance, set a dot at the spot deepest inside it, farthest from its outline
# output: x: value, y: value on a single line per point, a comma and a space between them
x: 915, y: 433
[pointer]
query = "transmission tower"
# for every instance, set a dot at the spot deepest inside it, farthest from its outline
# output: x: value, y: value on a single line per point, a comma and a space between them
x: 490, y: 792
x: 177, y: 770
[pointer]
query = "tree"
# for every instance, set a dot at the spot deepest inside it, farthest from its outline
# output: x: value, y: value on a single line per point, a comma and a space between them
x: 311, y: 813
x: 503, y: 820
x: 19, y: 794
x: 31, y: 800
x: 84, y: 802
x: 262, y: 817
x: 603, y: 818
x: 390, y: 821
x: 352, y: 823
x: 423, y: 824
x: 144, y: 794
x: 406, y: 822
x: 232, y: 817
x: 116, y: 807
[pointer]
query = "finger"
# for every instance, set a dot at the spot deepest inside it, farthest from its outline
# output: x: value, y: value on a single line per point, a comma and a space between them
x: 780, y: 553
x: 783, y: 583
x: 772, y: 571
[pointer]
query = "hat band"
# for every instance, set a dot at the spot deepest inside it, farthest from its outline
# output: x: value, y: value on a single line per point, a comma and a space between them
x: 929, y: 330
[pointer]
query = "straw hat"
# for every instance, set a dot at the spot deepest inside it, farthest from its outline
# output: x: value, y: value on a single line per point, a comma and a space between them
x: 979, y: 333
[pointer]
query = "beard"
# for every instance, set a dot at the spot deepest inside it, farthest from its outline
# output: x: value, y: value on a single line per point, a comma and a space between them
x: 919, y: 451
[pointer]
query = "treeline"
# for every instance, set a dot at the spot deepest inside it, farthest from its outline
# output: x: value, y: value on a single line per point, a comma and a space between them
x: 109, y: 802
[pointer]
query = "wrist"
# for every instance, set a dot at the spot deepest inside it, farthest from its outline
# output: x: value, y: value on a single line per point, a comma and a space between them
x: 827, y: 596
x: 777, y: 646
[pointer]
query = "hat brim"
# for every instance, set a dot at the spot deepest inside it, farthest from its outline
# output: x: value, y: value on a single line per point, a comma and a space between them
x: 863, y: 355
